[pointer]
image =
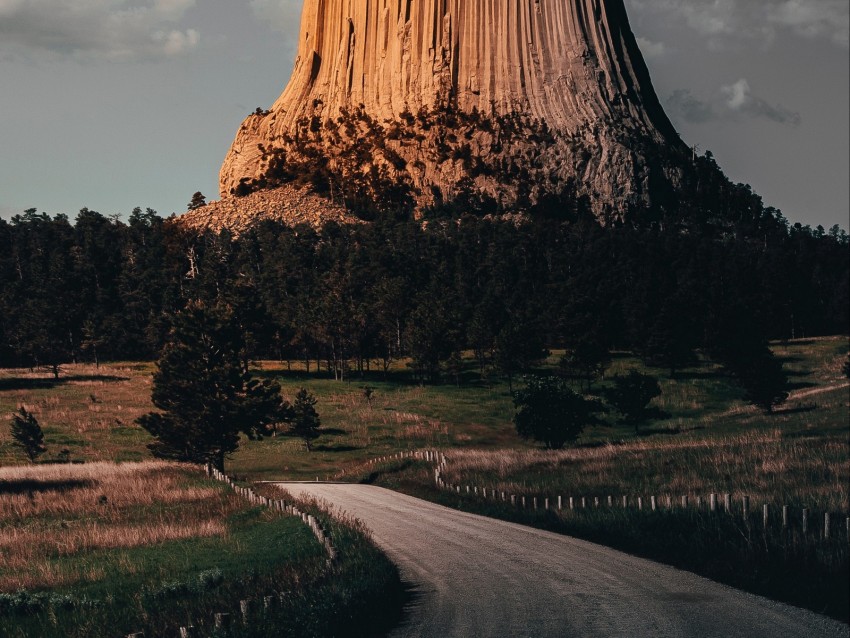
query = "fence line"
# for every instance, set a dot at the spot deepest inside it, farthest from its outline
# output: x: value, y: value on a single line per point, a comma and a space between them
x: 223, y: 620
x: 687, y: 503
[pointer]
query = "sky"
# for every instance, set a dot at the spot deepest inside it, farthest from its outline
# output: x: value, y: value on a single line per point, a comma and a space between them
x: 114, y: 104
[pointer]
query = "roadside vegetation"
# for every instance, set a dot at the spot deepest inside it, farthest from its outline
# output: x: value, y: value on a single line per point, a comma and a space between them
x: 111, y: 549
x: 706, y: 438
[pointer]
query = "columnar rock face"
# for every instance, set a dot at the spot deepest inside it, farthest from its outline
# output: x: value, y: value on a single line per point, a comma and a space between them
x: 511, y: 98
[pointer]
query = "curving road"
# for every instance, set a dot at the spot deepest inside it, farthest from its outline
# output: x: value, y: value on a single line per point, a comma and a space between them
x: 479, y: 577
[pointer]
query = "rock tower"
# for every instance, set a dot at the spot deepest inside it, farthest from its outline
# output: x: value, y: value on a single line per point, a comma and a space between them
x: 509, y: 101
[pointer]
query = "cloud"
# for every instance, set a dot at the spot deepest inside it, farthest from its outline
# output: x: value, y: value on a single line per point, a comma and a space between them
x: 739, y: 99
x: 651, y: 49
x: 97, y: 29
x: 732, y: 101
x: 279, y: 15
x: 722, y: 21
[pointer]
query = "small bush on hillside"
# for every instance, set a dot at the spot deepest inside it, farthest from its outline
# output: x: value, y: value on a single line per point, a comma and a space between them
x: 27, y: 434
x: 550, y: 412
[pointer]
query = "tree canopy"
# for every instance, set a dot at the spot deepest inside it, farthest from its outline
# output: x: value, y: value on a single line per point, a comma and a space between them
x: 550, y: 412
x: 27, y: 434
x: 631, y: 395
x: 206, y: 397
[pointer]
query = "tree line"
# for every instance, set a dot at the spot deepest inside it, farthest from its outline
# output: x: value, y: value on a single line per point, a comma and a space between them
x: 349, y: 300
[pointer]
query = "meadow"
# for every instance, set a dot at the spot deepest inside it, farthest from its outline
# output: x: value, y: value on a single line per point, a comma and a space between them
x: 711, y: 442
x: 103, y: 549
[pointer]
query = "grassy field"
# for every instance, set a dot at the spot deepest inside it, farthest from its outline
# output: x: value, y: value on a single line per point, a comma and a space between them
x: 90, y: 412
x: 711, y: 442
x: 109, y: 549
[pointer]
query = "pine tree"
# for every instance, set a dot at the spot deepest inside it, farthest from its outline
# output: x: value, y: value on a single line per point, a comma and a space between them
x: 198, y: 201
x: 206, y: 397
x: 27, y: 434
x: 305, y: 419
x: 631, y: 396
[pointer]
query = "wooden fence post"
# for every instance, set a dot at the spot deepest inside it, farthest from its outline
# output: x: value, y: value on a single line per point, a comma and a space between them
x: 596, y: 501
x: 712, y: 503
x: 766, y: 516
x: 727, y: 502
x: 535, y: 502
x: 245, y: 608
x: 640, y: 503
x: 826, y: 526
x: 610, y: 501
x: 653, y: 503
x: 848, y: 528
x: 625, y: 502
x: 188, y: 632
x: 560, y: 503
x: 685, y: 501
x: 572, y: 503
x: 546, y: 504
x: 805, y: 520
x: 746, y: 506
x: 784, y: 517
x: 523, y: 502
x: 583, y: 502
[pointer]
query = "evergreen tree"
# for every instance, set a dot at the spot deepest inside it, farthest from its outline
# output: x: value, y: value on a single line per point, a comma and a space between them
x: 305, y: 419
x: 206, y: 396
x: 631, y: 396
x: 764, y: 381
x: 27, y: 434
x: 517, y: 347
x: 587, y: 359
x: 198, y: 201
x: 550, y: 412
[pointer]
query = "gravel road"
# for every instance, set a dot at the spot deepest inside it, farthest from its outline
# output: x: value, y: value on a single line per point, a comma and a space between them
x: 479, y: 577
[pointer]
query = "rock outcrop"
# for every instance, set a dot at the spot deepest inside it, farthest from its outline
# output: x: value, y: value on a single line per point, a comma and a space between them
x: 511, y: 100
x: 286, y: 204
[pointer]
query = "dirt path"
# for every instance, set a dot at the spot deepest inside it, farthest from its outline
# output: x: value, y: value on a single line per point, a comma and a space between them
x: 481, y: 577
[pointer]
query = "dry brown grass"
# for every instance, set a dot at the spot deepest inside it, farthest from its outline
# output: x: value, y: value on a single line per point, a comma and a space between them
x: 91, y: 411
x: 761, y: 464
x: 55, y: 512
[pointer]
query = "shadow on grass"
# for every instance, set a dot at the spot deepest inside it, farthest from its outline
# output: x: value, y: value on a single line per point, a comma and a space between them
x: 801, y: 385
x: 469, y: 378
x: 800, y: 409
x: 335, y: 448
x: 332, y: 431
x: 661, y: 430
x: 28, y: 486
x: 18, y: 383
x: 695, y: 375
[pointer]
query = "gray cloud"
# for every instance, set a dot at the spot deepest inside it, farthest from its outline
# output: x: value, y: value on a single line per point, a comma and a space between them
x: 100, y: 29
x: 730, y: 102
x: 651, y: 49
x: 722, y: 21
x: 279, y: 15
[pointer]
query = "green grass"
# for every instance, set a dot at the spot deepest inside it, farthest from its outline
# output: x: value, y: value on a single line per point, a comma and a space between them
x: 711, y: 442
x: 157, y: 565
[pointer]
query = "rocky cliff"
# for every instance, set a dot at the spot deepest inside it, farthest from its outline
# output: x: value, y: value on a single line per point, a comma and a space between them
x: 507, y: 100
